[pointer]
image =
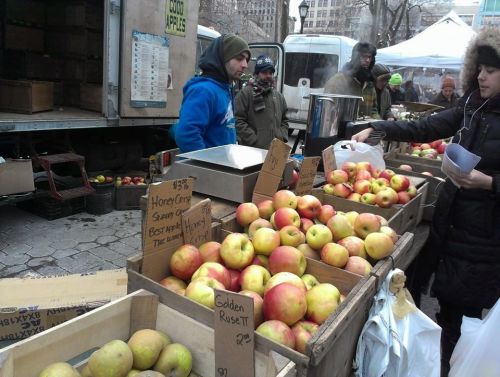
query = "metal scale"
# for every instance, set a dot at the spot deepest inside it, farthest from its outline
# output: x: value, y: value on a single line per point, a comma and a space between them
x: 228, y: 172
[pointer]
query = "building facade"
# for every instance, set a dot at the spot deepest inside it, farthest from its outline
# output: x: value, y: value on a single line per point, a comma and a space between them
x: 489, y: 14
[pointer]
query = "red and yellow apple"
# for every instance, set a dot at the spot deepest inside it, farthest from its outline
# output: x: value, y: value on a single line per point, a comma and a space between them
x: 237, y: 250
x: 254, y: 278
x: 185, y: 261
x: 246, y: 213
x: 318, y: 235
x: 265, y: 240
x: 277, y: 331
x: 287, y: 259
x: 284, y: 199
x: 334, y: 254
x: 285, y: 302
x: 322, y: 300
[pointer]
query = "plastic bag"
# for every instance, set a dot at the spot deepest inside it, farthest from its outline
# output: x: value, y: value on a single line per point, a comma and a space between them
x: 476, y: 353
x: 349, y: 150
x: 392, y: 347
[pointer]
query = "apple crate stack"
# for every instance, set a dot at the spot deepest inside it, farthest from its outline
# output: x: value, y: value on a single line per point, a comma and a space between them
x: 76, y: 339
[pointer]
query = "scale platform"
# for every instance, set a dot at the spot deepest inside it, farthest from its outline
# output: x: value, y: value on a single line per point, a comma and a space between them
x: 228, y: 172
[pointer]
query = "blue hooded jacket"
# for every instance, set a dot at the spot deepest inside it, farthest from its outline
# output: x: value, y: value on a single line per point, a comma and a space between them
x: 206, y: 117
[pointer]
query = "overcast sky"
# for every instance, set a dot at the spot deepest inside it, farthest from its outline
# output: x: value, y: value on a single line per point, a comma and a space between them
x: 294, y: 9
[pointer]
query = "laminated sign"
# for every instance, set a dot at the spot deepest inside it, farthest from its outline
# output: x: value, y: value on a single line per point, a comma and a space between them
x: 175, y: 17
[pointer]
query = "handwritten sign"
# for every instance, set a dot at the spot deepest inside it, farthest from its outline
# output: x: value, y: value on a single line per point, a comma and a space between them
x: 196, y: 223
x: 175, y: 17
x: 272, y: 170
x: 307, y: 173
x: 329, y: 163
x: 234, y: 335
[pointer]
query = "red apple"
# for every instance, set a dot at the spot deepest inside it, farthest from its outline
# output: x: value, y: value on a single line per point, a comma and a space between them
x: 363, y: 175
x: 278, y: 332
x: 364, y: 165
x: 303, y: 331
x: 368, y: 198
x: 427, y: 173
x: 362, y: 186
x: 258, y: 316
x: 185, y: 261
x: 340, y: 227
x: 355, y: 197
x: 266, y: 209
x: 235, y: 280
x: 387, y: 174
x: 287, y: 259
x: 261, y: 260
x: 325, y: 213
x: 400, y: 182
x: 337, y: 176
x: 386, y: 198
x: 322, y: 300
x: 246, y: 213
x: 379, y: 245
x: 403, y: 197
x: 295, y: 179
x: 256, y: 225
x: 425, y: 146
x: 284, y: 199
x: 379, y: 184
x: 406, y: 167
x: 285, y: 302
x: 390, y: 232
x: 237, y: 251
x: 442, y: 148
x: 305, y: 224
x: 318, y: 235
x: 284, y: 277
x: 210, y: 252
x: 412, y: 191
x: 342, y: 190
x: 172, y: 283
x: 365, y: 224
x: 354, y: 245
x: 214, y: 270
x: 265, y: 240
x: 358, y: 265
x: 334, y: 254
x: 286, y: 216
x: 349, y: 168
x: 126, y: 180
x: 308, y: 206
x: 254, y: 278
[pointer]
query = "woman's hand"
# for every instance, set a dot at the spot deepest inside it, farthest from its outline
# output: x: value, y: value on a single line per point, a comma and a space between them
x: 362, y: 135
x: 474, y: 180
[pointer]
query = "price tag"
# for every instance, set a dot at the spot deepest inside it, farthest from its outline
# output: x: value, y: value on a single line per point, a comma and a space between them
x: 272, y: 171
x: 329, y: 163
x: 234, y: 335
x: 196, y: 223
x: 162, y: 225
x: 307, y: 173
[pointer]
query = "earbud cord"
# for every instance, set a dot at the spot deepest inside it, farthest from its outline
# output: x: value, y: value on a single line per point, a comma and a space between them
x: 472, y: 117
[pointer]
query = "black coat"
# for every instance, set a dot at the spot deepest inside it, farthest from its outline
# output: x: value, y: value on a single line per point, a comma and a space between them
x: 465, y: 230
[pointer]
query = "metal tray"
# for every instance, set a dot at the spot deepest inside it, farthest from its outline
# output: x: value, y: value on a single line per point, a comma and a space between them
x: 233, y: 156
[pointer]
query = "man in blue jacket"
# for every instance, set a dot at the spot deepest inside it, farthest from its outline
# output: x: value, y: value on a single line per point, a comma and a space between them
x: 206, y: 117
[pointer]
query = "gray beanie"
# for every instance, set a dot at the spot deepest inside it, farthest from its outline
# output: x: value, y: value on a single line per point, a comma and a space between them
x: 234, y: 46
x: 381, y: 71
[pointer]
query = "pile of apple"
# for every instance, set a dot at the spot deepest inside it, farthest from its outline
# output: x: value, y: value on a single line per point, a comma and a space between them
x: 360, y: 182
x: 268, y: 262
x: 428, y: 150
x: 101, y: 179
x: 124, y: 181
x: 410, y: 168
x: 148, y: 353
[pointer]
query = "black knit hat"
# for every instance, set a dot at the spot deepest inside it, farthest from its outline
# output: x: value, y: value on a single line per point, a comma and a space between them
x: 381, y: 71
x: 263, y: 63
x: 363, y: 48
x: 488, y: 56
x: 234, y: 46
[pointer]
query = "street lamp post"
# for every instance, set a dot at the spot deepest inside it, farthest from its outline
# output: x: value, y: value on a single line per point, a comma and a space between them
x: 303, y: 8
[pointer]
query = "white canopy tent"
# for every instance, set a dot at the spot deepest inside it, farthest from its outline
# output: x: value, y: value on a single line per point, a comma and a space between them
x: 441, y: 45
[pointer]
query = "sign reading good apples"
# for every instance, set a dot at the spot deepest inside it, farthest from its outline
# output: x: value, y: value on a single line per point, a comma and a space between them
x: 234, y: 335
x: 272, y: 171
x: 329, y: 163
x: 162, y: 225
x: 307, y: 173
x: 196, y: 223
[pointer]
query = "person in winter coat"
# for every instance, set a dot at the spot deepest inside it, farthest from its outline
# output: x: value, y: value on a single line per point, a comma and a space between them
x: 260, y: 110
x: 411, y: 94
x: 206, y: 117
x: 382, y: 74
x: 355, y: 79
x: 447, y: 96
x: 397, y: 94
x: 465, y: 231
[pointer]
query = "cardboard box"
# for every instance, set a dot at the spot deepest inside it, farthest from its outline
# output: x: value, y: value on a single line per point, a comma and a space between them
x: 16, y: 176
x: 91, y: 97
x: 119, y: 320
x: 30, y: 12
x: 24, y: 38
x: 33, y: 304
x: 32, y: 65
x: 26, y: 97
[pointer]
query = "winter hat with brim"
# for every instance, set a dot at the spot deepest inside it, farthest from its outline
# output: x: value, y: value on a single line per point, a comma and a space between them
x: 396, y: 79
x: 381, y: 71
x: 234, y: 46
x: 448, y: 82
x: 486, y: 55
x: 263, y: 63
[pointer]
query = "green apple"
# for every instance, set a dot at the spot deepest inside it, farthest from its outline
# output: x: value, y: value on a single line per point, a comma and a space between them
x: 175, y: 360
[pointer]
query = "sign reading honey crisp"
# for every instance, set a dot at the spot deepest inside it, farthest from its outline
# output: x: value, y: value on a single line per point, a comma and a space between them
x: 196, y: 223
x: 308, y: 170
x: 329, y: 163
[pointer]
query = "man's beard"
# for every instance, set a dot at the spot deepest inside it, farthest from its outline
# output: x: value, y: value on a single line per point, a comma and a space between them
x: 363, y: 74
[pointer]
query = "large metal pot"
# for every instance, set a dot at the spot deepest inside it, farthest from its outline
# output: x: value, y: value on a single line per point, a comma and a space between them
x: 327, y: 118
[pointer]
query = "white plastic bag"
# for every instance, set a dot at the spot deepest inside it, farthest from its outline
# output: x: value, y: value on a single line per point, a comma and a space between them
x: 350, y: 150
x: 477, y: 351
x: 391, y: 347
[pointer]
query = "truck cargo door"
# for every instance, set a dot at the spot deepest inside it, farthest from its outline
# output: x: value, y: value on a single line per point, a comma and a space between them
x: 276, y: 52
x: 157, y: 56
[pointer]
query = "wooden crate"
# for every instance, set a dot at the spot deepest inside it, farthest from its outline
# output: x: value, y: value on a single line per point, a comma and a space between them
x: 91, y: 97
x: 419, y: 164
x: 346, y: 282
x: 26, y: 96
x: 119, y: 320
